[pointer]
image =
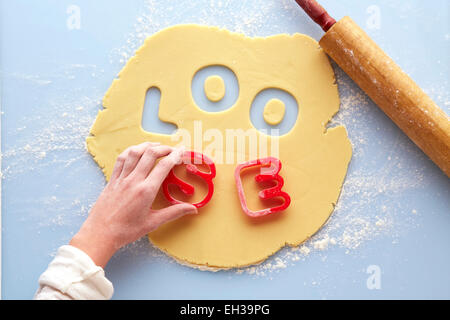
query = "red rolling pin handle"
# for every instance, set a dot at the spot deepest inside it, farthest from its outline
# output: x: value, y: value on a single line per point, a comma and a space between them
x: 317, y: 13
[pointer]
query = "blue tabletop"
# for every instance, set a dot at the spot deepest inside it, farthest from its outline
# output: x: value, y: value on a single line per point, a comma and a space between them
x: 389, y: 236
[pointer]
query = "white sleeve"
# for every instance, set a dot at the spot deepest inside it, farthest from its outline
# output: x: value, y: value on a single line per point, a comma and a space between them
x: 73, y: 275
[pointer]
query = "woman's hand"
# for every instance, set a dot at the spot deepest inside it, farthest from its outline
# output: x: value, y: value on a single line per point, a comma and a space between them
x: 122, y: 213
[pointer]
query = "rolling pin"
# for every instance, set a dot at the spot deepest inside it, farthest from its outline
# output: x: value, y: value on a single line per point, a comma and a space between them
x: 400, y: 98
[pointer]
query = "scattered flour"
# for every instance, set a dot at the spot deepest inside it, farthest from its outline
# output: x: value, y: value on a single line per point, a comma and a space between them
x: 303, y: 250
x: 323, y: 244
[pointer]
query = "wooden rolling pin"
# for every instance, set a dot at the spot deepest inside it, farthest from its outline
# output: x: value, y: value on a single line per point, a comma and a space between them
x: 385, y: 83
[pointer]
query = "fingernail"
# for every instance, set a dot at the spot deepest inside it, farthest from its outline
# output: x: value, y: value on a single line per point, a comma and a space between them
x: 193, y: 211
x: 178, y: 154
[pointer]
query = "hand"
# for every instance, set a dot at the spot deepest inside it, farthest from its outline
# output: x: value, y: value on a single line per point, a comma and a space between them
x: 122, y: 213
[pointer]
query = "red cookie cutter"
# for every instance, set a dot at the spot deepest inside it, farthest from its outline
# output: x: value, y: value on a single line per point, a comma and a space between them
x: 193, y: 158
x: 267, y: 174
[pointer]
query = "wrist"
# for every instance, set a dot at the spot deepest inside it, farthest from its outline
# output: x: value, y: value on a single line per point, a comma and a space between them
x: 97, y: 246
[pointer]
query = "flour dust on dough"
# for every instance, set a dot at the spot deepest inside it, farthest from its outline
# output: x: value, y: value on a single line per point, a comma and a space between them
x: 314, y: 158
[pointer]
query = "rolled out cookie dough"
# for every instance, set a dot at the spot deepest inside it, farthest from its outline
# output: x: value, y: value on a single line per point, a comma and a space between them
x: 314, y: 158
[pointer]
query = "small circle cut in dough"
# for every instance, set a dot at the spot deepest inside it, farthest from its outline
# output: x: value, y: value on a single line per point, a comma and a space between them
x: 214, y: 88
x: 274, y: 112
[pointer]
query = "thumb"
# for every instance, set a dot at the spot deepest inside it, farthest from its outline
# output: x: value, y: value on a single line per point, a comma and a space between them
x: 161, y: 216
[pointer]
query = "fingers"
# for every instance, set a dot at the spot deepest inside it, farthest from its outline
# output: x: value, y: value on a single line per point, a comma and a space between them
x: 139, y: 160
x: 132, y: 156
x: 148, y: 160
x: 163, y: 167
x: 120, y: 161
x: 159, y: 217
x: 118, y: 166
